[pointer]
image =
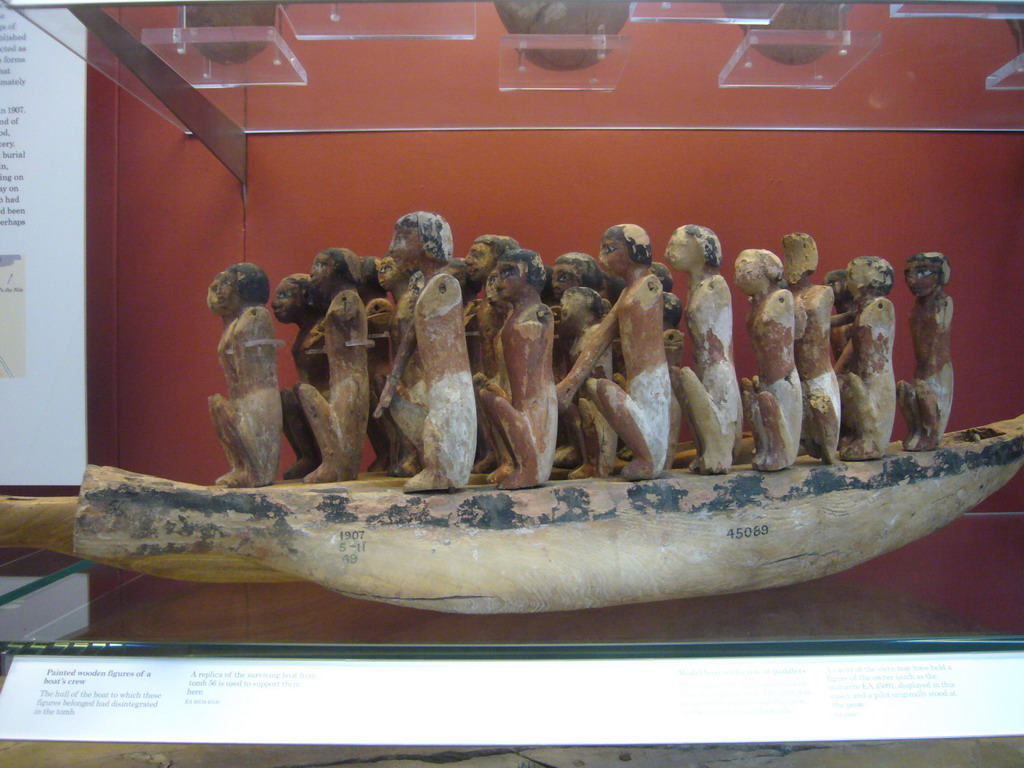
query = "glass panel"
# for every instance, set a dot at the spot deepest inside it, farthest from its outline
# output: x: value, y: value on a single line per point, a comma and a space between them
x: 348, y: 21
x: 714, y: 13
x: 893, y: 596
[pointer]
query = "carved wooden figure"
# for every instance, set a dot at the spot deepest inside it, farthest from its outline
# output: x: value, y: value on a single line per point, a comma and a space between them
x: 845, y: 312
x: 709, y: 392
x: 819, y: 434
x: 925, y: 401
x: 481, y: 329
x: 405, y: 460
x: 639, y: 414
x: 674, y: 342
x: 294, y: 303
x: 442, y: 420
x: 527, y: 412
x: 570, y: 270
x: 248, y: 420
x: 773, y: 400
x: 594, y: 439
x: 380, y: 431
x: 339, y: 418
x: 866, y: 381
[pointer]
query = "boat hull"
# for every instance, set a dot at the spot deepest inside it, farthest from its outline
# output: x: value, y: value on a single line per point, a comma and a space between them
x: 565, y: 545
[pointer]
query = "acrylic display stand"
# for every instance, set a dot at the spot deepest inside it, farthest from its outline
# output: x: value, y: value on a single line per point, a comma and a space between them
x: 711, y: 13
x: 1009, y: 77
x: 956, y: 11
x: 824, y: 58
x: 352, y: 21
x: 566, y: 62
x: 226, y: 57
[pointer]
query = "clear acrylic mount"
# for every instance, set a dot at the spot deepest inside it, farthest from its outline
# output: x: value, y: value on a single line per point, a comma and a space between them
x: 542, y: 62
x: 198, y: 53
x: 765, y: 58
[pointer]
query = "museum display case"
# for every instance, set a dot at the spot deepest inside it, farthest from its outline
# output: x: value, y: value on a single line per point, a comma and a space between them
x: 877, y: 128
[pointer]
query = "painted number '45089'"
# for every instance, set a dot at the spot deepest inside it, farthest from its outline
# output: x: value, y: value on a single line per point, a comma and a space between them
x: 747, y: 532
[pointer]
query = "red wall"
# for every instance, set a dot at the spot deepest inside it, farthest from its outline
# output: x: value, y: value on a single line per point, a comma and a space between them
x: 165, y: 217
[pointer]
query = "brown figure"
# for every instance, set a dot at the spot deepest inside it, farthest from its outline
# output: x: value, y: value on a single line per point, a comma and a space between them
x: 582, y: 312
x: 866, y: 380
x: 674, y: 341
x: 491, y: 316
x: 639, y: 414
x: 925, y: 402
x: 481, y: 328
x: 570, y: 270
x: 339, y: 419
x: 773, y: 400
x: 405, y: 460
x: 842, y: 321
x: 294, y: 303
x: 441, y: 422
x: 819, y: 434
x: 527, y: 412
x: 248, y: 420
x: 709, y: 392
x: 381, y: 432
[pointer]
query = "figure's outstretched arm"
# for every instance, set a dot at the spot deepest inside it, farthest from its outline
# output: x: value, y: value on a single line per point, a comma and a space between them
x: 406, y: 346
x: 596, y: 345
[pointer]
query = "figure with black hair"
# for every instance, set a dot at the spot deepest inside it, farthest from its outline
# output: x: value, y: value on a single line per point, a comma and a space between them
x: 867, y: 384
x: 709, y: 392
x: 439, y: 415
x: 292, y: 304
x: 339, y: 419
x: 526, y: 414
x: 248, y: 420
x: 639, y: 414
x: 661, y: 272
x: 925, y: 401
x: 592, y: 437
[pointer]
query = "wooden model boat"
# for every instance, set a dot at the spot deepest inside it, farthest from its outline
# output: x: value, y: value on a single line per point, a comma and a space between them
x: 562, y: 546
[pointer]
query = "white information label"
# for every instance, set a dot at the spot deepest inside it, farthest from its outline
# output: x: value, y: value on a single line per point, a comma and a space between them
x: 550, y: 702
x: 42, y: 257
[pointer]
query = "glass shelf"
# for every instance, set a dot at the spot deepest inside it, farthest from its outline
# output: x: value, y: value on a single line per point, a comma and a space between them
x: 961, y: 582
x: 926, y: 74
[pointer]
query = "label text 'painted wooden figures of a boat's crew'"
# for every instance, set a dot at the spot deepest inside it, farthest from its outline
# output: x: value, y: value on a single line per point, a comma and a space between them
x: 772, y: 401
x: 339, y: 420
x: 640, y: 413
x: 294, y: 303
x: 708, y: 392
x: 925, y: 402
x: 819, y: 435
x: 439, y: 417
x: 866, y: 380
x: 248, y: 420
x: 526, y: 414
